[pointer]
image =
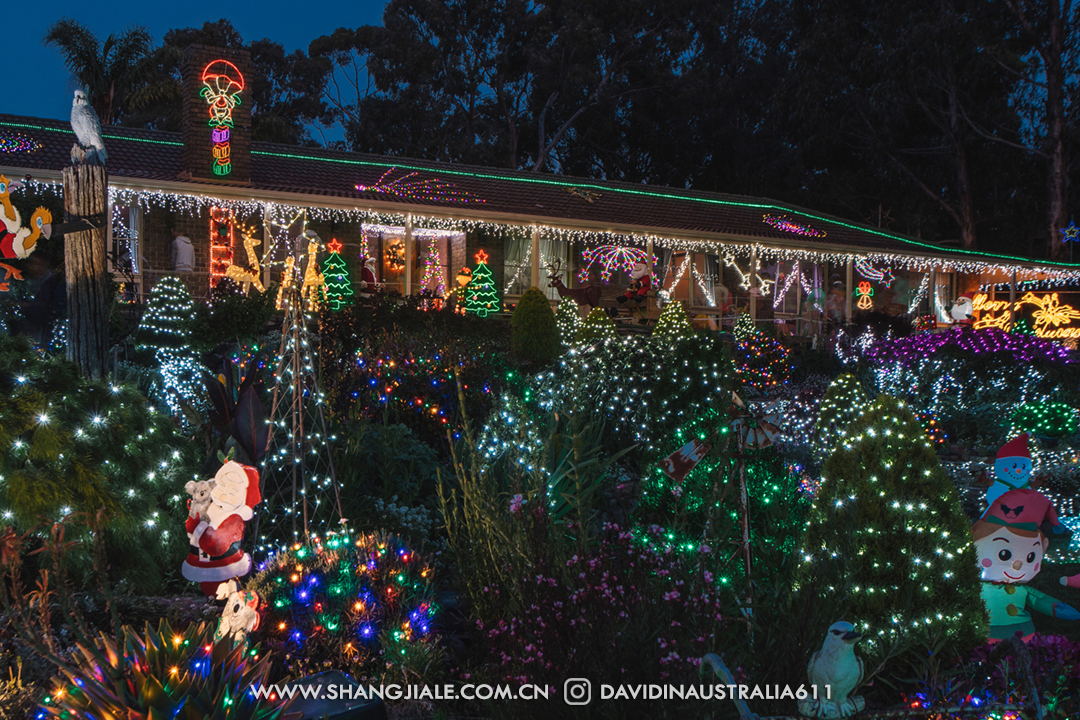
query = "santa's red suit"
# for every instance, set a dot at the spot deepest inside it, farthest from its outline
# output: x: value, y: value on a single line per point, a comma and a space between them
x: 368, y: 284
x: 214, y: 555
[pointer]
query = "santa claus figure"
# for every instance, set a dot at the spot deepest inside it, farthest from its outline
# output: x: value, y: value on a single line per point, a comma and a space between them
x: 215, y: 555
x: 640, y: 282
x: 368, y: 284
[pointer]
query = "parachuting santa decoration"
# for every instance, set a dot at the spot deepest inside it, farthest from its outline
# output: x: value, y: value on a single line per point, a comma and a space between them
x: 214, y: 555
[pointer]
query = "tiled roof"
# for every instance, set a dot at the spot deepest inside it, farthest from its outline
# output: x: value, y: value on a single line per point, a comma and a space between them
x: 545, y: 198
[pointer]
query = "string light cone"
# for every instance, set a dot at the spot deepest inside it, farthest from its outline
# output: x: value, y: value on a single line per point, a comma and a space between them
x: 298, y: 480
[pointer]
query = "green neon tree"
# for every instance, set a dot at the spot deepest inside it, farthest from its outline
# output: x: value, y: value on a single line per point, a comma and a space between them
x: 481, y: 296
x: 338, y: 283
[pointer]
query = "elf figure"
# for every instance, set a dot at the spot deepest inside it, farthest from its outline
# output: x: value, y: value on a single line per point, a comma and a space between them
x: 1012, y: 468
x: 215, y: 555
x: 640, y: 282
x: 1010, y: 547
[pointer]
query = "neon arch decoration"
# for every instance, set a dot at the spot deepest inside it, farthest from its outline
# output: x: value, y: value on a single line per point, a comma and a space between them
x: 222, y: 84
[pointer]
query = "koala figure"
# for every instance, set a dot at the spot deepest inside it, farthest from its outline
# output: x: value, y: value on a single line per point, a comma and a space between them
x: 200, y: 497
x: 241, y: 613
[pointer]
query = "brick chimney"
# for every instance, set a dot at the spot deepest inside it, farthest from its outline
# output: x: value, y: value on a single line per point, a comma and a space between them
x: 216, y: 115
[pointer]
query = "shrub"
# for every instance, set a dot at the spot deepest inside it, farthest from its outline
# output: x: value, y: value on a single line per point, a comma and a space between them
x: 844, y: 401
x: 162, y: 673
x: 762, y: 362
x: 75, y: 446
x: 231, y: 316
x: 567, y: 320
x: 673, y: 322
x: 1045, y: 419
x: 360, y: 603
x: 888, y: 531
x: 535, y: 336
x: 596, y: 326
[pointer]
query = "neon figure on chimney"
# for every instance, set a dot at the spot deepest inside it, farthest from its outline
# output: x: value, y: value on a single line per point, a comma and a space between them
x: 222, y: 83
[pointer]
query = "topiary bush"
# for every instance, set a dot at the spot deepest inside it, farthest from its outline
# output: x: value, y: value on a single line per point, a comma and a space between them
x: 673, y: 322
x: 534, y: 334
x: 567, y: 321
x: 596, y: 326
x: 359, y: 603
x: 888, y: 533
x: 762, y: 362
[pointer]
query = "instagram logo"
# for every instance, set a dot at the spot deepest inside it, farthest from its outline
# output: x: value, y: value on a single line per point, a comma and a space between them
x: 577, y: 691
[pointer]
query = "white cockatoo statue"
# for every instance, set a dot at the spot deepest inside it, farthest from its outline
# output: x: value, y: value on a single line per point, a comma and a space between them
x: 90, y: 148
x: 835, y: 672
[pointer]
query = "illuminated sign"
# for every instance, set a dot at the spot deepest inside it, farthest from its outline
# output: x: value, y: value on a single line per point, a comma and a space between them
x: 222, y: 83
x: 1051, y: 319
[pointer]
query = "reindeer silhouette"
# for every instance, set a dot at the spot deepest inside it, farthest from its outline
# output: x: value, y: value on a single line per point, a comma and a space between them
x: 588, y: 295
x: 250, y: 273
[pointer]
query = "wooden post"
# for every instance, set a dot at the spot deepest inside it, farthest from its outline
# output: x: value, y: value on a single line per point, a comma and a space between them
x: 408, y: 255
x: 534, y: 275
x: 753, y: 283
x: 1012, y: 299
x: 86, y: 273
x: 849, y: 288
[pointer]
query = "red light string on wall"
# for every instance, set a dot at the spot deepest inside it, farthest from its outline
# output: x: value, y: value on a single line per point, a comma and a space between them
x: 222, y: 83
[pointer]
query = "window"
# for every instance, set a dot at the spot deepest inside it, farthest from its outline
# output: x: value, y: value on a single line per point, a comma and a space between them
x: 123, y: 252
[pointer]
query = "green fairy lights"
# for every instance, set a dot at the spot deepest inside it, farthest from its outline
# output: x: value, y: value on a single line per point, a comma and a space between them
x: 1045, y: 419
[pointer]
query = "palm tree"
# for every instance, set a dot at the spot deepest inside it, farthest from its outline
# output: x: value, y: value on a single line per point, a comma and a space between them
x: 111, y: 71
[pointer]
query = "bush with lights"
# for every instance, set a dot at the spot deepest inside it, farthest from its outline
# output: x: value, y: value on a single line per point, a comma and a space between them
x: 534, y: 334
x: 567, y: 321
x: 762, y: 362
x: 398, y: 363
x: 888, y: 536
x: 231, y: 316
x: 596, y: 326
x: 360, y: 603
x: 844, y: 402
x: 673, y: 322
x: 166, y: 329
x: 1045, y: 419
x: 162, y: 673
x: 973, y: 380
x: 73, y: 445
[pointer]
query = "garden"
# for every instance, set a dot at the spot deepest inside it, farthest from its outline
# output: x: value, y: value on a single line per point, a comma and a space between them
x: 387, y: 488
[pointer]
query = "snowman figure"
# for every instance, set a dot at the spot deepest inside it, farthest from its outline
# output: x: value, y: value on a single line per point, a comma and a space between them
x: 1012, y: 468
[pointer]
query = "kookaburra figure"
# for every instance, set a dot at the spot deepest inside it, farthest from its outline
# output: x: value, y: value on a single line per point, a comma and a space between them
x: 835, y: 672
x: 90, y: 149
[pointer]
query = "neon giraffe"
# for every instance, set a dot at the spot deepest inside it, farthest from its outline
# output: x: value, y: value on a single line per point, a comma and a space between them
x: 250, y: 272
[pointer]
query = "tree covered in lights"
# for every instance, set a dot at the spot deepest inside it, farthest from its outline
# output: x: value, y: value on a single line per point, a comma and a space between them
x: 762, y: 362
x: 166, y: 328
x: 360, y: 603
x: 567, y: 320
x: 844, y: 401
x: 673, y: 321
x: 1045, y: 419
x: 888, y: 536
x: 71, y: 445
x: 596, y: 326
x: 534, y: 334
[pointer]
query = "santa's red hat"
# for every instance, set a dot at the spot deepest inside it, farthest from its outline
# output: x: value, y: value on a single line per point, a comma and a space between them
x: 1017, y: 447
x: 1022, y: 509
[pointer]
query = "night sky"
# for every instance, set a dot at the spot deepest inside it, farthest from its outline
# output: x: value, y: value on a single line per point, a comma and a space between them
x: 37, y: 83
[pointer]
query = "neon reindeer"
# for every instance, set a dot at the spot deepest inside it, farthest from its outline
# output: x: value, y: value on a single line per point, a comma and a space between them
x: 250, y: 272
x: 314, y: 282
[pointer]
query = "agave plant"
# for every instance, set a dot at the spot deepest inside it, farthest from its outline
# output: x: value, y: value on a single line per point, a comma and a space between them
x: 162, y: 674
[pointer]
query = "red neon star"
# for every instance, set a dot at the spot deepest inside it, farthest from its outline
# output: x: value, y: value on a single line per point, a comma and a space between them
x: 481, y: 257
x: 334, y: 246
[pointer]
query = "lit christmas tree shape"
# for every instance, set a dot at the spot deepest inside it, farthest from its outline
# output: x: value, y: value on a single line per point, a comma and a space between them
x: 597, y: 326
x: 482, y: 298
x: 888, y: 539
x: 567, y: 320
x: 166, y: 328
x: 844, y: 402
x: 338, y: 283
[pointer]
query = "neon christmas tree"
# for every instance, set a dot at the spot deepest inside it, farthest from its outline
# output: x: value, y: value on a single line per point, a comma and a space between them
x: 338, y: 283
x: 482, y: 297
